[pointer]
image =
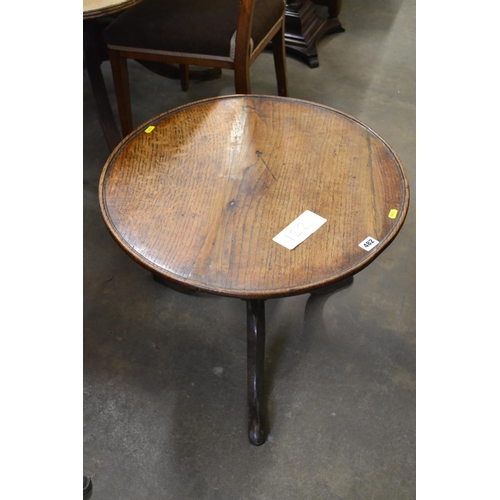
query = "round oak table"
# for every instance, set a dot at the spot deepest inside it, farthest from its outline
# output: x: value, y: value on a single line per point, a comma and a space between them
x: 198, y: 196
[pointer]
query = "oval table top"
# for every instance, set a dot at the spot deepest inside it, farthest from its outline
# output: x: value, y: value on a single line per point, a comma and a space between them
x: 98, y: 8
x: 199, y: 199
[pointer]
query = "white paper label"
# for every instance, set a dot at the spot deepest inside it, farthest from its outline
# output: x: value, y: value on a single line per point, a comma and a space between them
x: 300, y: 229
x: 368, y: 243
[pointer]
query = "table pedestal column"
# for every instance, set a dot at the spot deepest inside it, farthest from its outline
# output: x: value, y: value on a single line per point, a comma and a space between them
x: 256, y: 338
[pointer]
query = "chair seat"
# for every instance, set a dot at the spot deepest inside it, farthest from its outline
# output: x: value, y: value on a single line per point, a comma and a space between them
x: 198, y: 27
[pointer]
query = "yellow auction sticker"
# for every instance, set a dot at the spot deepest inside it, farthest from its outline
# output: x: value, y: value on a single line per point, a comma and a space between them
x: 149, y: 129
x: 393, y: 213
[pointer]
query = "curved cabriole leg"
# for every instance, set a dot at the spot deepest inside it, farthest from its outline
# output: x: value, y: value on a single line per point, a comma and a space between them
x: 255, y: 370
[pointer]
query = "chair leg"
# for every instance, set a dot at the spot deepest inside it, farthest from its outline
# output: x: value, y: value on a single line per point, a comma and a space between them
x: 242, y: 78
x: 184, y: 76
x: 122, y: 90
x: 278, y: 44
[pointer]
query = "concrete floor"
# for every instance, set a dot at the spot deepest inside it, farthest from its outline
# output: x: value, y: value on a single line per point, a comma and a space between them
x: 165, y: 373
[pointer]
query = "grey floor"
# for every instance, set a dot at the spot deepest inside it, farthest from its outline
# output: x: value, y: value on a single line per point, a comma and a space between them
x: 164, y: 373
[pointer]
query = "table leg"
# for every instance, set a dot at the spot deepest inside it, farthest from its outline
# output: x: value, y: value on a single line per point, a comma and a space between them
x: 256, y: 337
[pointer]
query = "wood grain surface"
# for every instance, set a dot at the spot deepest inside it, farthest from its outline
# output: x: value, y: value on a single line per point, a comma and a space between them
x: 200, y: 198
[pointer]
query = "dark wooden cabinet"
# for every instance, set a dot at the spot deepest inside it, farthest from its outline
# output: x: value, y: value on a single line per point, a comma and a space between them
x: 306, y: 22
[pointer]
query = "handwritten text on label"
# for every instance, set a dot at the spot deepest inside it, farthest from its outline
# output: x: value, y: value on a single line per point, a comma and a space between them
x: 300, y: 229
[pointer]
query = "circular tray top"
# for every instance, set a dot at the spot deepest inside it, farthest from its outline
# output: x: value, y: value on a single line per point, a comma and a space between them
x: 199, y: 199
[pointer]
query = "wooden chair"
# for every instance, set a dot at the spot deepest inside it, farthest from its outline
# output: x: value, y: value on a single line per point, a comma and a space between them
x: 218, y: 33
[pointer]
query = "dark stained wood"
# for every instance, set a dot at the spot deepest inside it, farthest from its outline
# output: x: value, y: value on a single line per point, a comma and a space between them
x: 93, y: 58
x: 184, y: 73
x: 122, y: 91
x: 256, y: 339
x: 280, y: 61
x: 306, y: 24
x: 242, y: 52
